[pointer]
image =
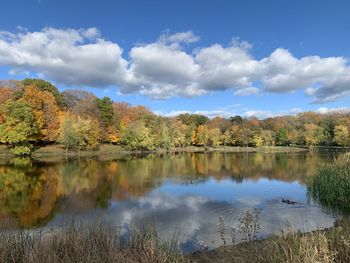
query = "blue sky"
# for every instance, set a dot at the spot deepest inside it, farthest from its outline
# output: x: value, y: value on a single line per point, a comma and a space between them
x: 174, y: 56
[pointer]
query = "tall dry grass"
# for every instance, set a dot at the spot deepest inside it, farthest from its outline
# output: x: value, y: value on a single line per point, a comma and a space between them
x: 99, y: 243
x: 86, y: 243
x: 330, y: 246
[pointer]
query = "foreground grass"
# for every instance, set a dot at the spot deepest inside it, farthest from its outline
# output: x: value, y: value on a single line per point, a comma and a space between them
x: 97, y: 243
x: 86, y: 243
x: 331, y: 185
x: 326, y: 246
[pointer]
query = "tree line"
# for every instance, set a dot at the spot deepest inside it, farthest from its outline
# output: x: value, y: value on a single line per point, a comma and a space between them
x: 33, y: 112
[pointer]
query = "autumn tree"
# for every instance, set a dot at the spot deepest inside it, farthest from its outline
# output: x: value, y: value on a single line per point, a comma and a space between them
x: 128, y: 114
x: 258, y: 140
x: 244, y: 136
x: 160, y: 134
x: 218, y: 122
x: 180, y: 134
x: 268, y: 137
x: 201, y: 135
x: 341, y: 135
x: 214, y: 137
x: 313, y: 134
x: 137, y: 136
x: 45, y: 110
x: 226, y: 137
x: 77, y: 133
x: 44, y: 85
x: 5, y: 95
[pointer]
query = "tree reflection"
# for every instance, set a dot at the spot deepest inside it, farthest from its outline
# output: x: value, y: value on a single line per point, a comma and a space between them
x: 31, y: 191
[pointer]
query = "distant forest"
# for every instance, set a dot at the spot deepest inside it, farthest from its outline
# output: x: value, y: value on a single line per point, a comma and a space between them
x: 34, y: 112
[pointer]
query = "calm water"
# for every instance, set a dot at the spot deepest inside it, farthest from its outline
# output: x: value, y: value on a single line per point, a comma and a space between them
x: 184, y: 191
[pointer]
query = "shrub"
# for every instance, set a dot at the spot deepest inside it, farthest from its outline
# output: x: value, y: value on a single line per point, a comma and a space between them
x: 21, y: 150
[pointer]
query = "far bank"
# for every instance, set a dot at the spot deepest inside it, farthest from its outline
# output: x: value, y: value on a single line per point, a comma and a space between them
x: 57, y: 150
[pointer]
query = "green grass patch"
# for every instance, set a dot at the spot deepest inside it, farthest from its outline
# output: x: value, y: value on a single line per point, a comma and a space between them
x: 331, y: 185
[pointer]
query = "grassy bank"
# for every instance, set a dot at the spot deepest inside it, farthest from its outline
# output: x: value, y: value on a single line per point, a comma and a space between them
x: 4, y: 152
x: 97, y: 243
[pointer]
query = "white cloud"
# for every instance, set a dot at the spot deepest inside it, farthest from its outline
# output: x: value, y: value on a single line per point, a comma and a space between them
x: 233, y: 110
x: 325, y: 110
x: 326, y: 79
x: 70, y: 57
x: 296, y: 110
x: 162, y: 71
x: 181, y: 37
x: 257, y: 113
x: 168, y: 67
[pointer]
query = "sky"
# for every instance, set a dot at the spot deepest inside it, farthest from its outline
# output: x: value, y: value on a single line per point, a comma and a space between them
x: 250, y: 58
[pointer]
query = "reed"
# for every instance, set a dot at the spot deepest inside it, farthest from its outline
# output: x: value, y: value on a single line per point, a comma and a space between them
x: 331, y: 185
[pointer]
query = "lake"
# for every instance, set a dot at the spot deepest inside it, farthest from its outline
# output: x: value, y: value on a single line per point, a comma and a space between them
x: 201, y: 196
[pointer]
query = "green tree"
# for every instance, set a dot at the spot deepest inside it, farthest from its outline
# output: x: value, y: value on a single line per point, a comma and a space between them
x: 19, y: 126
x: 69, y: 136
x: 236, y: 120
x: 105, y: 111
x: 195, y: 119
x: 282, y: 137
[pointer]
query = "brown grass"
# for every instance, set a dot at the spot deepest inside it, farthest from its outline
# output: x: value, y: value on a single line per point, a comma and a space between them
x: 332, y: 245
x: 99, y: 243
x: 86, y: 243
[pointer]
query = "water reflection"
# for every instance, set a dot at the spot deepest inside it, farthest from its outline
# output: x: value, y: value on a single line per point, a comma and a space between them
x: 190, y: 191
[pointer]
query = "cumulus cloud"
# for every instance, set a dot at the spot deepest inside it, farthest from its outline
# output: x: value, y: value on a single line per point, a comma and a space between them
x: 325, y: 79
x: 170, y: 66
x: 71, y: 57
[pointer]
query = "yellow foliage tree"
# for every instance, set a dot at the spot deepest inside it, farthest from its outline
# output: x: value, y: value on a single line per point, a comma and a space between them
x: 45, y: 110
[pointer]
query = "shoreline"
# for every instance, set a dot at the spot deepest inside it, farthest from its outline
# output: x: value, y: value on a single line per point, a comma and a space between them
x: 109, y: 150
x: 57, y: 150
x: 325, y: 245
x: 317, y: 243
